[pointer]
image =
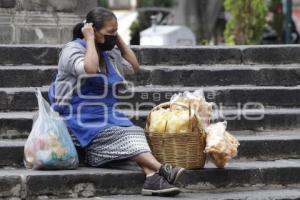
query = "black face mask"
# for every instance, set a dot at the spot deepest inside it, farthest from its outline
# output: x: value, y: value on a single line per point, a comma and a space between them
x: 109, y: 43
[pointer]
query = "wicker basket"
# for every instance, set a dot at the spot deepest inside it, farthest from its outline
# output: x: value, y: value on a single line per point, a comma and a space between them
x: 179, y: 149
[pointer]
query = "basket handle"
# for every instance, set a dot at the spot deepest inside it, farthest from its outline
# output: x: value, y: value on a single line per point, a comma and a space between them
x: 190, y: 118
x: 168, y: 104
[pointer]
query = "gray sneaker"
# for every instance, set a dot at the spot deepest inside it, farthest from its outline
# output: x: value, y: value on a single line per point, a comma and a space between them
x: 170, y: 173
x: 159, y: 186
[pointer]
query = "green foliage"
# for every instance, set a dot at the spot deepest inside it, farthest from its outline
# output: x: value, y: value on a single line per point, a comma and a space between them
x: 277, y: 21
x: 103, y: 3
x: 160, y: 3
x: 247, y: 20
x: 134, y: 33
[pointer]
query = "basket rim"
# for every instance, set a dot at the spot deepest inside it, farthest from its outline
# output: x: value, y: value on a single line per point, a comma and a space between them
x: 172, y: 135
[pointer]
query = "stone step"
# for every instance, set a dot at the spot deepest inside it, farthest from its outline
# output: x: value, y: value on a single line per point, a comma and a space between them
x: 188, y: 75
x: 275, y: 54
x: 146, y: 97
x: 18, y: 124
x: 91, y: 182
x: 223, y: 75
x: 270, y: 194
x: 271, y: 145
x: 235, y: 96
x: 29, y: 76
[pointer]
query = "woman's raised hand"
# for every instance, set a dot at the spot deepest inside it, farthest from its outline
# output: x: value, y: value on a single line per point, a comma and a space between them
x: 128, y: 54
x: 91, y: 59
x: 88, y: 31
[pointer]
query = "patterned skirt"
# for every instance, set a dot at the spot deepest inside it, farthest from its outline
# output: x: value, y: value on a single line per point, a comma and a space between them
x: 115, y: 143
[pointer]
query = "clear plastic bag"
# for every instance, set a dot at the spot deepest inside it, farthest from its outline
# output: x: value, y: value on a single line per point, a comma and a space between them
x: 49, y: 145
x: 199, y: 106
x: 221, y: 146
x: 179, y: 122
x: 158, y: 120
x: 170, y: 121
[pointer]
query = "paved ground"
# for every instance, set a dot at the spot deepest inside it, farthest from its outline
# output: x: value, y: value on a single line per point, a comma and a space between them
x: 287, y: 194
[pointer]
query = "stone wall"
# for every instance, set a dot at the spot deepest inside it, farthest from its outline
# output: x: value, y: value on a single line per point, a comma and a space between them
x: 40, y: 21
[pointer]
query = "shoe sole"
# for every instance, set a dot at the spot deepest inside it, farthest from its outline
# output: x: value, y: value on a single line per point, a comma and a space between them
x: 179, y: 173
x: 165, y: 192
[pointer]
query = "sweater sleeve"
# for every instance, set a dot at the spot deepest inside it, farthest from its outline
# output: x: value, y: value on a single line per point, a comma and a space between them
x: 72, y: 59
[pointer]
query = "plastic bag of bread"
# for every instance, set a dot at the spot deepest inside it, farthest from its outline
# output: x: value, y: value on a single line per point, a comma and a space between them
x: 221, y: 146
x: 178, y: 122
x: 49, y: 145
x: 199, y: 106
x: 158, y: 120
x: 169, y: 121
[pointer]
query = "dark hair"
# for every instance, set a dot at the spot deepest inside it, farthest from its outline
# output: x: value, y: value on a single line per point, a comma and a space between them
x: 97, y: 16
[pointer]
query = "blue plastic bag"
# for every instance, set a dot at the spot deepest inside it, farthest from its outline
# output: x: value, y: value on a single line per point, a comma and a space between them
x: 49, y: 145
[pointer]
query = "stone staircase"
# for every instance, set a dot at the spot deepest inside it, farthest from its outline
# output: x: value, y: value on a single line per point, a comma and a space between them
x: 256, y: 88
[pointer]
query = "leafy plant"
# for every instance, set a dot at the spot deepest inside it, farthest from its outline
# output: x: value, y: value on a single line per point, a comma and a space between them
x: 247, y: 20
x: 161, y: 3
x: 277, y: 22
x: 103, y: 3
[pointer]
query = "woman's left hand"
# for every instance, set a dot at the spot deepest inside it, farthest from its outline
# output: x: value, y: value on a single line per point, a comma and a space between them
x: 127, y: 53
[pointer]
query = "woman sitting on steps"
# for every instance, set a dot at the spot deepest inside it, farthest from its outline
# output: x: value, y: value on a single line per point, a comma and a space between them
x: 89, y: 68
